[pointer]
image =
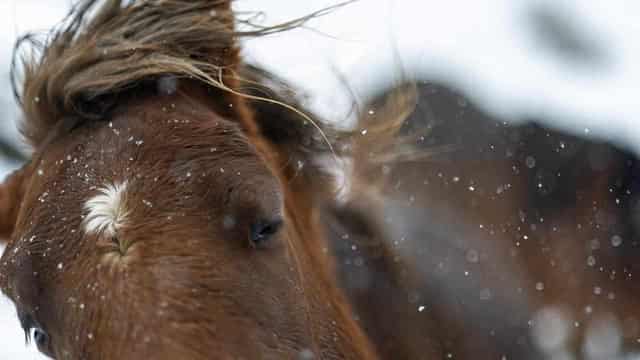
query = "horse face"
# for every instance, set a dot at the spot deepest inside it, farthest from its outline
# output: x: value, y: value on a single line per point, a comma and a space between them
x: 159, y: 233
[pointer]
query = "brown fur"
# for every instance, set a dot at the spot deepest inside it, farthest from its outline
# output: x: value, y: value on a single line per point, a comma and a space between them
x: 176, y: 281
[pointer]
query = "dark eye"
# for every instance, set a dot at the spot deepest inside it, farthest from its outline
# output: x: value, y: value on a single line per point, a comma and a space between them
x: 261, y: 231
x: 34, y: 332
x: 41, y: 338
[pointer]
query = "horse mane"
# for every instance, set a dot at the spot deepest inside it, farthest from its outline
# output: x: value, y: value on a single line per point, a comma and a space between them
x: 104, y: 50
x: 98, y: 53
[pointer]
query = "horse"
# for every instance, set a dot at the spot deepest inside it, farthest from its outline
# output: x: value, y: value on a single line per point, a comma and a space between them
x: 179, y: 204
x: 172, y: 205
x: 499, y: 240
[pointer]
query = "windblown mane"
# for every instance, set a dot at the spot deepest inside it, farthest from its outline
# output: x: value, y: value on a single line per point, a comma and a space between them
x: 100, y: 52
x: 107, y: 49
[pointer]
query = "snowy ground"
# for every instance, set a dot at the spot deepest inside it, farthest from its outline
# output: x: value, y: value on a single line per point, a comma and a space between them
x: 572, y: 63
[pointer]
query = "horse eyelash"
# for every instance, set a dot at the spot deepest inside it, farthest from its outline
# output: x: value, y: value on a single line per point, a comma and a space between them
x: 27, y: 323
x: 30, y: 326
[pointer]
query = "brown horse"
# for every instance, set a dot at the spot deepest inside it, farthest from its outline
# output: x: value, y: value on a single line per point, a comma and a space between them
x: 508, y: 242
x: 177, y: 206
x: 165, y: 212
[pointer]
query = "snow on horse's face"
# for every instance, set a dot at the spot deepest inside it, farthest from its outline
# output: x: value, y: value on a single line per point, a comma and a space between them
x: 163, y: 225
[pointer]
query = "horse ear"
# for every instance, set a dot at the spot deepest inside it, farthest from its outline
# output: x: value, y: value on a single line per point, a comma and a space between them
x: 11, y: 195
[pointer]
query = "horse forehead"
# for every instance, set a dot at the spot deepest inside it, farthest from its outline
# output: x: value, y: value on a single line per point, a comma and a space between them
x: 95, y: 167
x: 130, y: 143
x: 106, y: 211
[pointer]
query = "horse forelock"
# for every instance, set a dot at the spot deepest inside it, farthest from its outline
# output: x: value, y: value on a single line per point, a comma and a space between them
x: 106, y: 51
x: 105, y: 48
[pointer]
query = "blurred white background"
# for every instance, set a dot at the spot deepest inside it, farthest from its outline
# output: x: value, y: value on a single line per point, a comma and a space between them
x: 570, y: 63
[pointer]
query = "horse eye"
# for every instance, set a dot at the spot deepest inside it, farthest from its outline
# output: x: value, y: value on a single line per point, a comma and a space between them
x: 263, y: 230
x: 41, y: 338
